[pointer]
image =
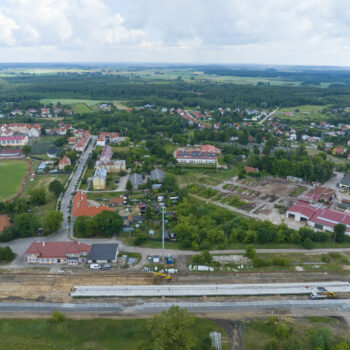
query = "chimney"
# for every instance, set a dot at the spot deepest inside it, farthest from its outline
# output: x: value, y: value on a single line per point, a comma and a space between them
x: 43, y: 244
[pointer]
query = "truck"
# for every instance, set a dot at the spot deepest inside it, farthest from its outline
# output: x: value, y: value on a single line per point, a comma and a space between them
x: 322, y: 293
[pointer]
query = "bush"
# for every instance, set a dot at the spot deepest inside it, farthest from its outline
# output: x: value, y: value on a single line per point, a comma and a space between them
x: 307, y: 244
x: 250, y: 252
x: 58, y: 316
x: 271, y: 345
x: 281, y: 262
x: 141, y: 238
x: 326, y: 259
x: 260, y: 262
x: 335, y: 255
x: 282, y: 330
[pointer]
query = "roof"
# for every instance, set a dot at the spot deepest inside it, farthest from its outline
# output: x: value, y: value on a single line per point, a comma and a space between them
x: 65, y: 160
x: 136, y: 180
x: 103, y: 251
x: 194, y: 154
x: 100, y: 173
x: 323, y: 216
x: 346, y: 180
x: 249, y: 169
x: 80, y: 207
x: 116, y: 200
x: 57, y: 249
x: 106, y: 153
x: 12, y: 138
x: 158, y: 175
x: 4, y: 222
x: 320, y: 192
x: 303, y: 208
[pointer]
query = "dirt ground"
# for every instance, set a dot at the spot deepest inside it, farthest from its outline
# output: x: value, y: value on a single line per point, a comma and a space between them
x: 46, y: 287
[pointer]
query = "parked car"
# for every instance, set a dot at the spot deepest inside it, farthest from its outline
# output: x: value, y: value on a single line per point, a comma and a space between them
x: 106, y: 266
x: 95, y: 266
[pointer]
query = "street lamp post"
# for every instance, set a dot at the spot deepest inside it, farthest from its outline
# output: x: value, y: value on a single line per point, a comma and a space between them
x: 163, y: 212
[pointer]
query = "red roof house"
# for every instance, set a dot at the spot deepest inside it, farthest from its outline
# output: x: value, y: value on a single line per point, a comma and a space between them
x: 57, y: 252
x: 81, y: 208
x: 4, y: 222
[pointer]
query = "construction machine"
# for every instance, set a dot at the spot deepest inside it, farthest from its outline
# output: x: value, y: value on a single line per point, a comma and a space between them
x: 322, y: 293
x: 161, y: 276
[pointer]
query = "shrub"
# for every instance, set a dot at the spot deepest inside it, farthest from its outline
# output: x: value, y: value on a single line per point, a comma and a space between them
x: 281, y: 262
x: 58, y: 316
x: 250, y: 252
x: 140, y: 239
x: 326, y: 258
x: 260, y: 262
x: 307, y: 244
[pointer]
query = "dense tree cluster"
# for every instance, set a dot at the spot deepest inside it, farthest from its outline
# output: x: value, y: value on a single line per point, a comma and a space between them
x: 105, y: 224
x: 294, y: 163
x: 202, y: 226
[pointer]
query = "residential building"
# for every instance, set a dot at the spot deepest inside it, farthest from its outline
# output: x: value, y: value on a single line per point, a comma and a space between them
x: 101, y: 142
x: 111, y: 137
x: 64, y: 162
x: 157, y: 175
x: 106, y: 154
x: 83, y: 137
x: 115, y: 201
x: 99, y: 179
x: 250, y: 170
x: 339, y: 150
x: 71, y: 253
x: 136, y: 180
x: 11, y: 141
x: 53, y: 152
x: 112, y: 166
x: 4, y: 222
x: 207, y: 154
x: 345, y: 182
x: 103, y: 253
x: 81, y: 208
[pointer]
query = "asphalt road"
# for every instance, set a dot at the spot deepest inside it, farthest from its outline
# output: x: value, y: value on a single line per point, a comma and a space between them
x: 336, y: 306
x: 63, y: 233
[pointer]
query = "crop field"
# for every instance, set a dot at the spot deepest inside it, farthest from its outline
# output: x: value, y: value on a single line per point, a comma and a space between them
x: 12, y: 173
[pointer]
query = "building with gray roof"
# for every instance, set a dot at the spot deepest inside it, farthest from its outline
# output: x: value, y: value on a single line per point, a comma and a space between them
x: 157, y: 175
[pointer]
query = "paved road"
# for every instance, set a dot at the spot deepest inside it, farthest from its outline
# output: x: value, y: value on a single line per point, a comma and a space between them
x: 330, y: 307
x: 62, y: 234
x: 268, y: 116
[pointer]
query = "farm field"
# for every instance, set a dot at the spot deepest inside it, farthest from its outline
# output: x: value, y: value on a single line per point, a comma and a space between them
x: 86, y: 334
x: 12, y: 173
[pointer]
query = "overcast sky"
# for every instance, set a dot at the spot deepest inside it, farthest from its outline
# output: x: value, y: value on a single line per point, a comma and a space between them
x: 310, y: 32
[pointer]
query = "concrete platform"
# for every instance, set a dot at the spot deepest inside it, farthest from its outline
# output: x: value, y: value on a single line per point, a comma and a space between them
x: 173, y: 290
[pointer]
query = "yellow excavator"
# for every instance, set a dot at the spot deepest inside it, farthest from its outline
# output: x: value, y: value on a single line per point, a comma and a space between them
x: 322, y: 293
x: 161, y: 276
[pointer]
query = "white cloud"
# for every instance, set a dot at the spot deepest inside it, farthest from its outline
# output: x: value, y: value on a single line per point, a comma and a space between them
x: 249, y: 31
x: 7, y: 26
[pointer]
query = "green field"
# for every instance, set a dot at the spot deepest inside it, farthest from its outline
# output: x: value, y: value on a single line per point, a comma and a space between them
x: 11, y: 174
x: 97, y: 334
x: 81, y: 105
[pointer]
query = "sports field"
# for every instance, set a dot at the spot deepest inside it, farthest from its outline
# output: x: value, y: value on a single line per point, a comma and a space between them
x: 11, y: 176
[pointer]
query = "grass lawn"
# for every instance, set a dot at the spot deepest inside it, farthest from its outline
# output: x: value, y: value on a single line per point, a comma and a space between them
x: 304, y: 108
x: 259, y: 332
x: 11, y: 174
x: 98, y: 334
x: 80, y: 108
x: 43, y: 181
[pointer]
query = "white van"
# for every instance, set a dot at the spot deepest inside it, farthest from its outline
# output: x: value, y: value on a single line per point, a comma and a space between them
x: 95, y: 266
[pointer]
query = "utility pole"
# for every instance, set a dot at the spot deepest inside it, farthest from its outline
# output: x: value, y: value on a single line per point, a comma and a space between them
x: 163, y: 212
